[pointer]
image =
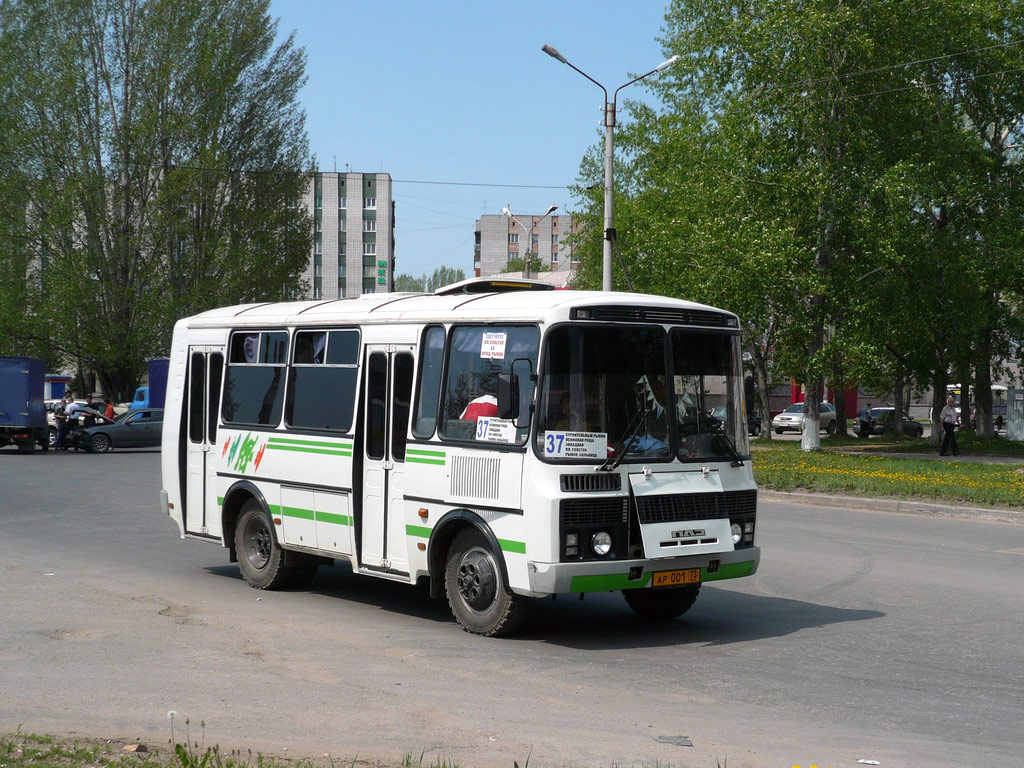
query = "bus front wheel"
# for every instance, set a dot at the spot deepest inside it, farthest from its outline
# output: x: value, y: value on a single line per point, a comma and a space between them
x: 661, y: 603
x: 260, y: 559
x: 476, y: 590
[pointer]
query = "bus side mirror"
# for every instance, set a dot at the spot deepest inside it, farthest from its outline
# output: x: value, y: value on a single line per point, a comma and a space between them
x: 508, y: 396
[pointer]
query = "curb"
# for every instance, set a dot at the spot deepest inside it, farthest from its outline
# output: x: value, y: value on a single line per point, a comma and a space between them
x: 897, y: 505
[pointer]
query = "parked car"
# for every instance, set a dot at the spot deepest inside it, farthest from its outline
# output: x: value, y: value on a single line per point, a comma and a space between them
x: 792, y: 419
x: 753, y: 421
x: 882, y: 422
x: 135, y: 429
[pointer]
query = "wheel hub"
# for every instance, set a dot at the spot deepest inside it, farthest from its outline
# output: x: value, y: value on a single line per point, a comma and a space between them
x: 258, y: 544
x: 477, y: 583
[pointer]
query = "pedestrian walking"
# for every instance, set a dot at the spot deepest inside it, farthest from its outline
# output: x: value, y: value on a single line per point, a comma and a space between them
x: 864, y: 417
x: 948, y: 418
x: 60, y: 418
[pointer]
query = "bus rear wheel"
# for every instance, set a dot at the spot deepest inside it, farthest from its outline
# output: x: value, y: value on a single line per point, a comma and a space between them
x: 661, y: 603
x: 477, y: 593
x: 260, y: 559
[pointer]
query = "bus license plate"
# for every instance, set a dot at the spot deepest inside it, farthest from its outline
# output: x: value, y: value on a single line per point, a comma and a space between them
x: 676, y: 578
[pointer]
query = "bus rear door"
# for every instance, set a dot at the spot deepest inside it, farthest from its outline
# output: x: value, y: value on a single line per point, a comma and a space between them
x: 205, y: 369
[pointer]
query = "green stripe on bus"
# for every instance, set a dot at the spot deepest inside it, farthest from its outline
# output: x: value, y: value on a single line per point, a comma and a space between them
x: 728, y: 571
x: 417, y: 530
x: 607, y: 582
x: 423, y: 452
x: 614, y: 581
x: 220, y: 501
x: 512, y: 546
x: 338, y: 450
x: 321, y: 443
x: 304, y: 514
x: 416, y: 460
x: 331, y: 517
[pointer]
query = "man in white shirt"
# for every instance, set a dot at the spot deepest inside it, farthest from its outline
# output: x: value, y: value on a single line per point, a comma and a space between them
x: 948, y: 417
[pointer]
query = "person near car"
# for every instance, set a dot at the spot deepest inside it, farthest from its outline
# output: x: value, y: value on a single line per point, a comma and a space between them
x: 72, y: 408
x: 108, y: 412
x: 60, y: 418
x: 89, y: 413
x: 864, y: 417
x: 948, y: 417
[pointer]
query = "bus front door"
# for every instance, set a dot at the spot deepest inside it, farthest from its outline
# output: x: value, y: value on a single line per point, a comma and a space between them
x: 205, y: 369
x: 389, y: 381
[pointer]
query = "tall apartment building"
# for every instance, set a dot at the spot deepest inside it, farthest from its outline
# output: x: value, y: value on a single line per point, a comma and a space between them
x: 353, y: 234
x: 500, y: 238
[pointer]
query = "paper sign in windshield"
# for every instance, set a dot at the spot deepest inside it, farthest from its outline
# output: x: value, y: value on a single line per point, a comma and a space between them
x: 495, y: 430
x: 575, y: 445
x: 493, y: 345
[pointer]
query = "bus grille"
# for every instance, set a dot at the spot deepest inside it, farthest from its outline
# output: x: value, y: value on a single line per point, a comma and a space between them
x: 594, y: 512
x: 675, y: 507
x: 595, y: 481
x: 741, y: 502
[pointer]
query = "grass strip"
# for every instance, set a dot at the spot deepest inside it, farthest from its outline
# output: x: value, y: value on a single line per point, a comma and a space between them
x: 784, y: 467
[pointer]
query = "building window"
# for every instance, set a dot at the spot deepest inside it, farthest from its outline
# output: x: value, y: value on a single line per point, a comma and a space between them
x: 554, y: 241
x: 513, y: 238
x: 370, y: 203
x: 318, y: 287
x: 341, y: 247
x: 341, y: 203
x: 369, y: 249
x: 369, y: 285
x: 369, y: 225
x: 534, y: 243
x: 318, y: 246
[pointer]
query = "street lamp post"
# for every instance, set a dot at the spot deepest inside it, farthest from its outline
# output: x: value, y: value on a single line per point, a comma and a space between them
x: 529, y: 232
x: 609, y: 152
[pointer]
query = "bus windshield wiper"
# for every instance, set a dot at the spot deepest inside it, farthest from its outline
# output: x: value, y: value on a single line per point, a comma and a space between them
x: 632, y: 430
x: 719, y: 430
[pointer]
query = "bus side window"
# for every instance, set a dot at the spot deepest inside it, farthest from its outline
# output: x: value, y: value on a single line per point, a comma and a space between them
x: 400, y: 407
x: 429, y: 384
x: 254, y: 391
x: 322, y: 383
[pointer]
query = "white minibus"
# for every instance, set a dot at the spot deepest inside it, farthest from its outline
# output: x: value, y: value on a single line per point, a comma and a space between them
x: 497, y: 439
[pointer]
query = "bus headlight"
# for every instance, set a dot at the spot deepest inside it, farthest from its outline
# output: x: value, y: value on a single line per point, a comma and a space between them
x: 737, y: 533
x: 601, y: 543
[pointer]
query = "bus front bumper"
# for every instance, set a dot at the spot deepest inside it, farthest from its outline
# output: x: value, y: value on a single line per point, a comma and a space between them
x: 612, y: 575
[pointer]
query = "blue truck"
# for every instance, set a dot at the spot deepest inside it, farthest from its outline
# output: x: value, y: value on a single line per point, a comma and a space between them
x: 154, y: 395
x: 22, y: 413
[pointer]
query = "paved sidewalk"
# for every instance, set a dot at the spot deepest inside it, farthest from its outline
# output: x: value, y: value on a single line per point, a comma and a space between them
x: 904, y: 506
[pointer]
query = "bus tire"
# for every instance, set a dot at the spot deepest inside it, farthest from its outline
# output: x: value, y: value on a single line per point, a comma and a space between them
x: 477, y: 593
x: 661, y: 603
x: 260, y: 559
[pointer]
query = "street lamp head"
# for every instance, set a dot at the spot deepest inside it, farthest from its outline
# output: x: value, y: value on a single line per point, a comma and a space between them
x: 666, y: 64
x: 551, y: 210
x: 507, y: 212
x: 553, y: 53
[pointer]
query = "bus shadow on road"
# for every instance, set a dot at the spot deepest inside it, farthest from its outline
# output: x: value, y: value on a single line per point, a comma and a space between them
x: 719, y: 617
x: 602, y: 621
x: 339, y: 582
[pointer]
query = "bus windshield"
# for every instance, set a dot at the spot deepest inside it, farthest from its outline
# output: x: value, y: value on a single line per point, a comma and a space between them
x: 639, y: 393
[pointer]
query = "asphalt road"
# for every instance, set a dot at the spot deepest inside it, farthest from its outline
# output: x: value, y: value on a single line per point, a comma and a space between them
x: 864, y: 636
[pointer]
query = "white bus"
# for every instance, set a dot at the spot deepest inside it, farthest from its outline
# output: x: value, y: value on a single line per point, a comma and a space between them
x: 497, y: 439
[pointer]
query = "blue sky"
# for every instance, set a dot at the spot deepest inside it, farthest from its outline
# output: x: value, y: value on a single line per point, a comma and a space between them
x: 461, y: 92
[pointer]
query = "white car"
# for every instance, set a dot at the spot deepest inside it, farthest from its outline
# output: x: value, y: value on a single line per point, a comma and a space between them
x: 792, y: 419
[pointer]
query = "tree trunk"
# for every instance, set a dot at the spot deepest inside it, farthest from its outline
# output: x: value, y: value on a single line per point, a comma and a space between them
x: 839, y: 387
x: 810, y: 439
x: 763, y: 392
x: 897, y: 416
x: 983, y: 385
x: 938, y: 403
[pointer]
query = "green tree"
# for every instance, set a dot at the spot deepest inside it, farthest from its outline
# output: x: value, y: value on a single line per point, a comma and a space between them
x: 164, y: 158
x: 519, y: 265
x: 439, y: 278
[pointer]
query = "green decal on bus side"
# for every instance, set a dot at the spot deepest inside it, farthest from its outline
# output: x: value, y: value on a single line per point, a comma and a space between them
x: 421, y: 456
x: 613, y: 581
x: 417, y: 530
x: 512, y: 546
x: 309, y: 446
